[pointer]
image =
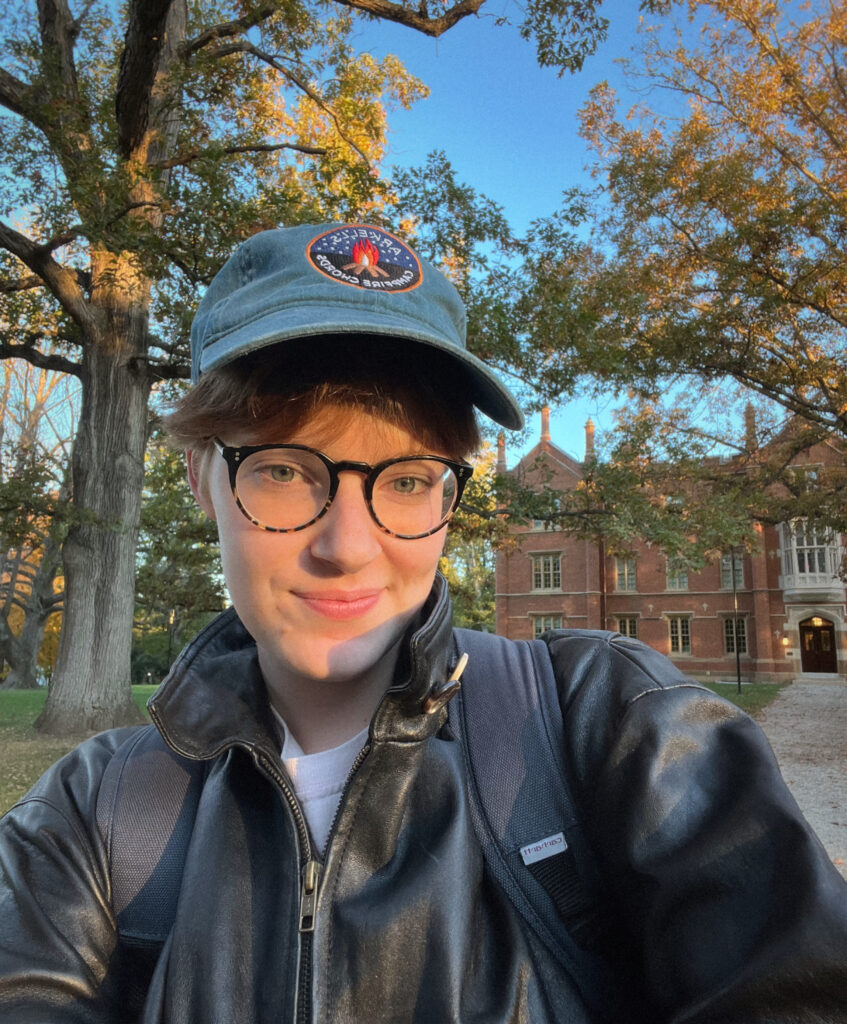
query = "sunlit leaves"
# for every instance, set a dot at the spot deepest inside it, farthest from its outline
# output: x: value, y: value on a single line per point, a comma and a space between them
x: 725, y: 231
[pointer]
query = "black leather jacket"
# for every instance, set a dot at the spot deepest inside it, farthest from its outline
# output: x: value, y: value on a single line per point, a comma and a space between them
x: 722, y: 905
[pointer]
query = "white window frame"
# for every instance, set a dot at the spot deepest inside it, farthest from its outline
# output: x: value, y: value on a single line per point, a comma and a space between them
x: 625, y: 575
x: 679, y: 633
x: 546, y: 569
x: 628, y: 625
x: 732, y: 634
x: 811, y: 556
x: 726, y: 572
x: 541, y: 623
x: 676, y: 575
x: 808, y: 546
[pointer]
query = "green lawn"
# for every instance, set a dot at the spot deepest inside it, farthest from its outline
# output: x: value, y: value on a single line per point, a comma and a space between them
x: 753, y: 696
x: 24, y: 755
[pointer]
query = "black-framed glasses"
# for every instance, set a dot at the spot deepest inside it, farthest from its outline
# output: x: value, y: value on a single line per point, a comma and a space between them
x: 287, y: 487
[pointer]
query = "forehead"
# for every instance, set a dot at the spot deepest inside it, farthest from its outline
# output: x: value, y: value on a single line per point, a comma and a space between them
x: 333, y: 428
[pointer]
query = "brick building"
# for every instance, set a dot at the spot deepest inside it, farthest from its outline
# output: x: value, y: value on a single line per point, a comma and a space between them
x: 785, y: 617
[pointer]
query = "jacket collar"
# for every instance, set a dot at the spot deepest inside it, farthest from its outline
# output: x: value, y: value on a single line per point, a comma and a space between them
x: 215, y: 697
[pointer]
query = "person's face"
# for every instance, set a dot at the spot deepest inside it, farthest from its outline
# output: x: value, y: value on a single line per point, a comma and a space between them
x: 331, y: 601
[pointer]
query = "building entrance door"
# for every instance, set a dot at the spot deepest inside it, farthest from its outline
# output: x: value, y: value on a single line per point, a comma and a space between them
x: 817, y: 645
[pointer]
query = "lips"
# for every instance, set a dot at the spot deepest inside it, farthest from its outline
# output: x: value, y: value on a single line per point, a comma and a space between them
x: 334, y: 604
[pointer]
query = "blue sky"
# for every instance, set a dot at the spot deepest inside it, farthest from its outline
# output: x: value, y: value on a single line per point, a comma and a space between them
x: 508, y: 127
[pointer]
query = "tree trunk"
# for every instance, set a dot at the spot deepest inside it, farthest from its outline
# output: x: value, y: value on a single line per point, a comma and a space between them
x: 91, y: 687
x: 24, y: 662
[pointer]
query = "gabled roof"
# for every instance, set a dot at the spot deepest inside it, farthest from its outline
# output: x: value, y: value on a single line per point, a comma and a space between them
x: 547, y: 451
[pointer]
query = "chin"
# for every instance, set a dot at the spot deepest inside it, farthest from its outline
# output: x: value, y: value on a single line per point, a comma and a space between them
x: 336, y: 659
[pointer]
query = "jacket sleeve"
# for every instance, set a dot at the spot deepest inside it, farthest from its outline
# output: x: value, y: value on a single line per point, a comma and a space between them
x: 57, y: 929
x: 724, y: 897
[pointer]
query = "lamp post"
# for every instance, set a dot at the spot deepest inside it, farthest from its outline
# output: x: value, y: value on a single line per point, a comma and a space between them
x: 735, y: 621
x: 171, y: 618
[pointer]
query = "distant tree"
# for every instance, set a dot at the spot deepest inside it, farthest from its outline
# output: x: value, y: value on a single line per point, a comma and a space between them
x: 469, y: 552
x: 725, y: 230
x: 37, y: 414
x: 178, y: 583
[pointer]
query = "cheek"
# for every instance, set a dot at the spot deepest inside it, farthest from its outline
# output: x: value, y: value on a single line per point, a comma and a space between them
x: 417, y: 560
x: 247, y: 553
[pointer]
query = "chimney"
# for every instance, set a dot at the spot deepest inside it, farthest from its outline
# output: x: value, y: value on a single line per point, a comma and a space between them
x: 545, y: 423
x: 589, y: 439
x: 750, y: 440
x: 501, y: 452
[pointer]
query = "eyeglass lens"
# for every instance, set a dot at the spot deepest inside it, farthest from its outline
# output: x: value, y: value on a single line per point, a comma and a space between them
x: 287, y: 488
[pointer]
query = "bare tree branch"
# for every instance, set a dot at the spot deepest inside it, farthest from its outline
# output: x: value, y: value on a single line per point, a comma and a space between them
x: 187, y: 158
x: 63, y: 283
x: 20, y: 284
x: 129, y: 208
x: 226, y: 30
x: 17, y: 96
x: 416, y: 18
x: 168, y: 371
x: 74, y: 231
x: 38, y: 358
x: 296, y: 80
x: 83, y: 14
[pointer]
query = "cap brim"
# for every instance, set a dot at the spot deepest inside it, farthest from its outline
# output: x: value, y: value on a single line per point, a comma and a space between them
x: 488, y: 393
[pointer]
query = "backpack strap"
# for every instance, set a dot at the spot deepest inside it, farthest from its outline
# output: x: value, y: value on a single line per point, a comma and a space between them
x: 145, y: 812
x: 509, y: 720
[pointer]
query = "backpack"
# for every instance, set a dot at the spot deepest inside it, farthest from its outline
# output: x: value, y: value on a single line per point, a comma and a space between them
x: 509, y: 722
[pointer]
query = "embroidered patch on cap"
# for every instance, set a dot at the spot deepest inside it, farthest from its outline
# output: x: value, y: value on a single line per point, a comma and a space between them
x: 365, y: 257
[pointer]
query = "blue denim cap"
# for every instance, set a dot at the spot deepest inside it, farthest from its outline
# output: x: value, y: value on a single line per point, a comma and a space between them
x: 337, y: 279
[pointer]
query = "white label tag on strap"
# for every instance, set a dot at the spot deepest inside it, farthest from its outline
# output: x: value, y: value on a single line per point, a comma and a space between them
x: 544, y: 848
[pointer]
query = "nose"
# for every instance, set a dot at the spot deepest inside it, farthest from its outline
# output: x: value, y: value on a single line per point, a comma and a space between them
x: 346, y: 536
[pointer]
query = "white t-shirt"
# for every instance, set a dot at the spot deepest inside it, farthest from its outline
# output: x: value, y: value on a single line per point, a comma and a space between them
x: 319, y: 779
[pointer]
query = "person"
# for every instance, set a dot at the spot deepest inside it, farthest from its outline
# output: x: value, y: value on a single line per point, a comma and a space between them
x: 332, y: 871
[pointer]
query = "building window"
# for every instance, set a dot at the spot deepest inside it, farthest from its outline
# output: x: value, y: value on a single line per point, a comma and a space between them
x: 628, y: 627
x: 626, y: 573
x: 726, y: 572
x: 810, y: 544
x: 811, y: 554
x: 806, y: 478
x: 541, y: 623
x: 677, y: 575
x: 735, y: 636
x: 547, y: 572
x: 679, y: 627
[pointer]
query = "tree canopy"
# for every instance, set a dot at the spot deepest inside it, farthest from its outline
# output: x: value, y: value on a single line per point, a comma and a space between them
x: 727, y: 227
x: 708, y: 270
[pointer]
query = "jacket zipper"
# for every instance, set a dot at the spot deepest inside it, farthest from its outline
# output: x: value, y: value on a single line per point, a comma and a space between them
x: 311, y: 876
x: 309, y: 895
x: 354, y: 767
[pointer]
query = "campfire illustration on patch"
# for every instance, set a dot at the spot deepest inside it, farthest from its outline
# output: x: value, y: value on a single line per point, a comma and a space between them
x: 365, y: 259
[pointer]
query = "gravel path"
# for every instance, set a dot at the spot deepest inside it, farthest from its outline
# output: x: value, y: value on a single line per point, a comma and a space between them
x: 807, y: 728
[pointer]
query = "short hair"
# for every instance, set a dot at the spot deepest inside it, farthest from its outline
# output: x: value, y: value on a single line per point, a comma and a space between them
x: 269, y: 394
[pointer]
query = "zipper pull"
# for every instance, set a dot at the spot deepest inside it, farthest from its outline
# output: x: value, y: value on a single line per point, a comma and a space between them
x: 309, y: 895
x: 437, y: 698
